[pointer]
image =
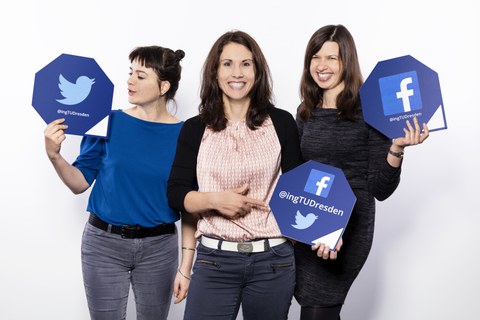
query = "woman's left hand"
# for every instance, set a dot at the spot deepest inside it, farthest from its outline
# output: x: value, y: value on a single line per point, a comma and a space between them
x: 413, y: 135
x: 180, y: 287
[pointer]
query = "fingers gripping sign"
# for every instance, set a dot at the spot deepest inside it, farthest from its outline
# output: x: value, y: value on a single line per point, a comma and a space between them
x: 413, y: 134
x: 323, y: 251
x: 54, y: 136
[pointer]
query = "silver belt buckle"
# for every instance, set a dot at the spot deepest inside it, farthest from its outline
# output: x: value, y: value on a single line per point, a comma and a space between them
x: 245, y: 247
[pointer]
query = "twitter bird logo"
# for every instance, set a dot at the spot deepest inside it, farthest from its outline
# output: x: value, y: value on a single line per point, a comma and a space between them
x: 303, y: 222
x: 74, y: 93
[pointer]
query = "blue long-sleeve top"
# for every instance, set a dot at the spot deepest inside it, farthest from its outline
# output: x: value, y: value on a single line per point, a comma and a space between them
x: 130, y: 171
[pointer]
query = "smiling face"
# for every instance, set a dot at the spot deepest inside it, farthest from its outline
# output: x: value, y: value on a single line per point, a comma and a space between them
x: 143, y: 86
x: 326, y: 67
x: 236, y: 73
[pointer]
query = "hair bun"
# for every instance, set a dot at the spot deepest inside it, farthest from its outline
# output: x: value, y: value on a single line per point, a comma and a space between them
x: 179, y: 54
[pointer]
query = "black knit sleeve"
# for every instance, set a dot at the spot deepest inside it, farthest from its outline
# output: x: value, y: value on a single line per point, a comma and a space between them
x: 183, y: 175
x: 287, y: 133
x: 383, y: 179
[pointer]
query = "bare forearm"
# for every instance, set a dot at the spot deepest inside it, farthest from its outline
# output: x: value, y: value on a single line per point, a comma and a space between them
x: 70, y: 175
x: 189, y: 226
x: 197, y: 202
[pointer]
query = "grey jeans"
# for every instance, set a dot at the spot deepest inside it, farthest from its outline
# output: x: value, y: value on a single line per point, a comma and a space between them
x: 110, y: 264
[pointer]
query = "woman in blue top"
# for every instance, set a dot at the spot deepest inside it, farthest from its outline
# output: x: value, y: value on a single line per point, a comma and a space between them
x: 130, y: 237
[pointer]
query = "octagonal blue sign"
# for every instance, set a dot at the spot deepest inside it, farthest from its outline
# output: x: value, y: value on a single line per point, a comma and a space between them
x: 77, y: 89
x: 313, y: 203
x: 400, y: 89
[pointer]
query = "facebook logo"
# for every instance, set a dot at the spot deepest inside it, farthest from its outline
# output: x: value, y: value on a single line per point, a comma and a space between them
x: 319, y: 183
x: 400, y: 93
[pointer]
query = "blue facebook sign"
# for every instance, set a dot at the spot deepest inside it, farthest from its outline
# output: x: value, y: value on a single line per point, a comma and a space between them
x: 398, y: 90
x: 312, y: 203
x: 74, y: 88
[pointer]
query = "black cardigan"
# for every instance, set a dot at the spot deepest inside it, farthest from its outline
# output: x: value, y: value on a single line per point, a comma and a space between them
x: 183, y: 176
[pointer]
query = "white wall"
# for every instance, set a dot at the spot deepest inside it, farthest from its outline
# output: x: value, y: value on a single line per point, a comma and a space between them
x: 423, y: 264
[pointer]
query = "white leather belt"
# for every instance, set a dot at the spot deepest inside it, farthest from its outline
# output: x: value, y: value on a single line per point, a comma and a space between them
x: 242, y: 247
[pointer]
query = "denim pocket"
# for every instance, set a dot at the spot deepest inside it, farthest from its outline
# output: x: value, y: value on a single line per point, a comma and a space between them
x: 283, y: 250
x: 280, y: 266
x: 208, y: 263
x: 206, y: 257
x: 201, y: 249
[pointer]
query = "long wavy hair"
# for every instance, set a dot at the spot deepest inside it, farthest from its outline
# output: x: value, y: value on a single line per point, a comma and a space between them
x: 211, y: 106
x: 348, y: 101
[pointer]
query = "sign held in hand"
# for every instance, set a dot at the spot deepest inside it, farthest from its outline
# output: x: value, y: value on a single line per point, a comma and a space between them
x: 313, y: 203
x: 77, y: 89
x: 400, y: 89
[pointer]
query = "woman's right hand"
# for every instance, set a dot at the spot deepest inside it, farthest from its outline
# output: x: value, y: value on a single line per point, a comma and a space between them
x: 234, y: 203
x: 54, y: 136
x: 70, y: 175
x: 324, y: 251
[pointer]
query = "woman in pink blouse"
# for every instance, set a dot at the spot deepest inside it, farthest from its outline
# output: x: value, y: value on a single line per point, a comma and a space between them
x: 227, y: 163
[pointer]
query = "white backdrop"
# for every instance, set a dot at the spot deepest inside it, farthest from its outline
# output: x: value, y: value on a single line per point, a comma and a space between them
x: 423, y: 264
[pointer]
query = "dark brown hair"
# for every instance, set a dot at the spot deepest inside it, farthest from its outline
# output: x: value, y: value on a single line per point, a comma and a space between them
x: 211, y: 105
x: 348, y: 101
x: 164, y: 61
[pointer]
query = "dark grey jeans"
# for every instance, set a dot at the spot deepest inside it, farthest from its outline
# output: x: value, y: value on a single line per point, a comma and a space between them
x: 110, y: 264
x: 222, y: 281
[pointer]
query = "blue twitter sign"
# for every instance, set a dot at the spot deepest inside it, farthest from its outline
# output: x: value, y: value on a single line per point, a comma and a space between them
x: 313, y: 203
x: 398, y: 90
x: 77, y: 89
